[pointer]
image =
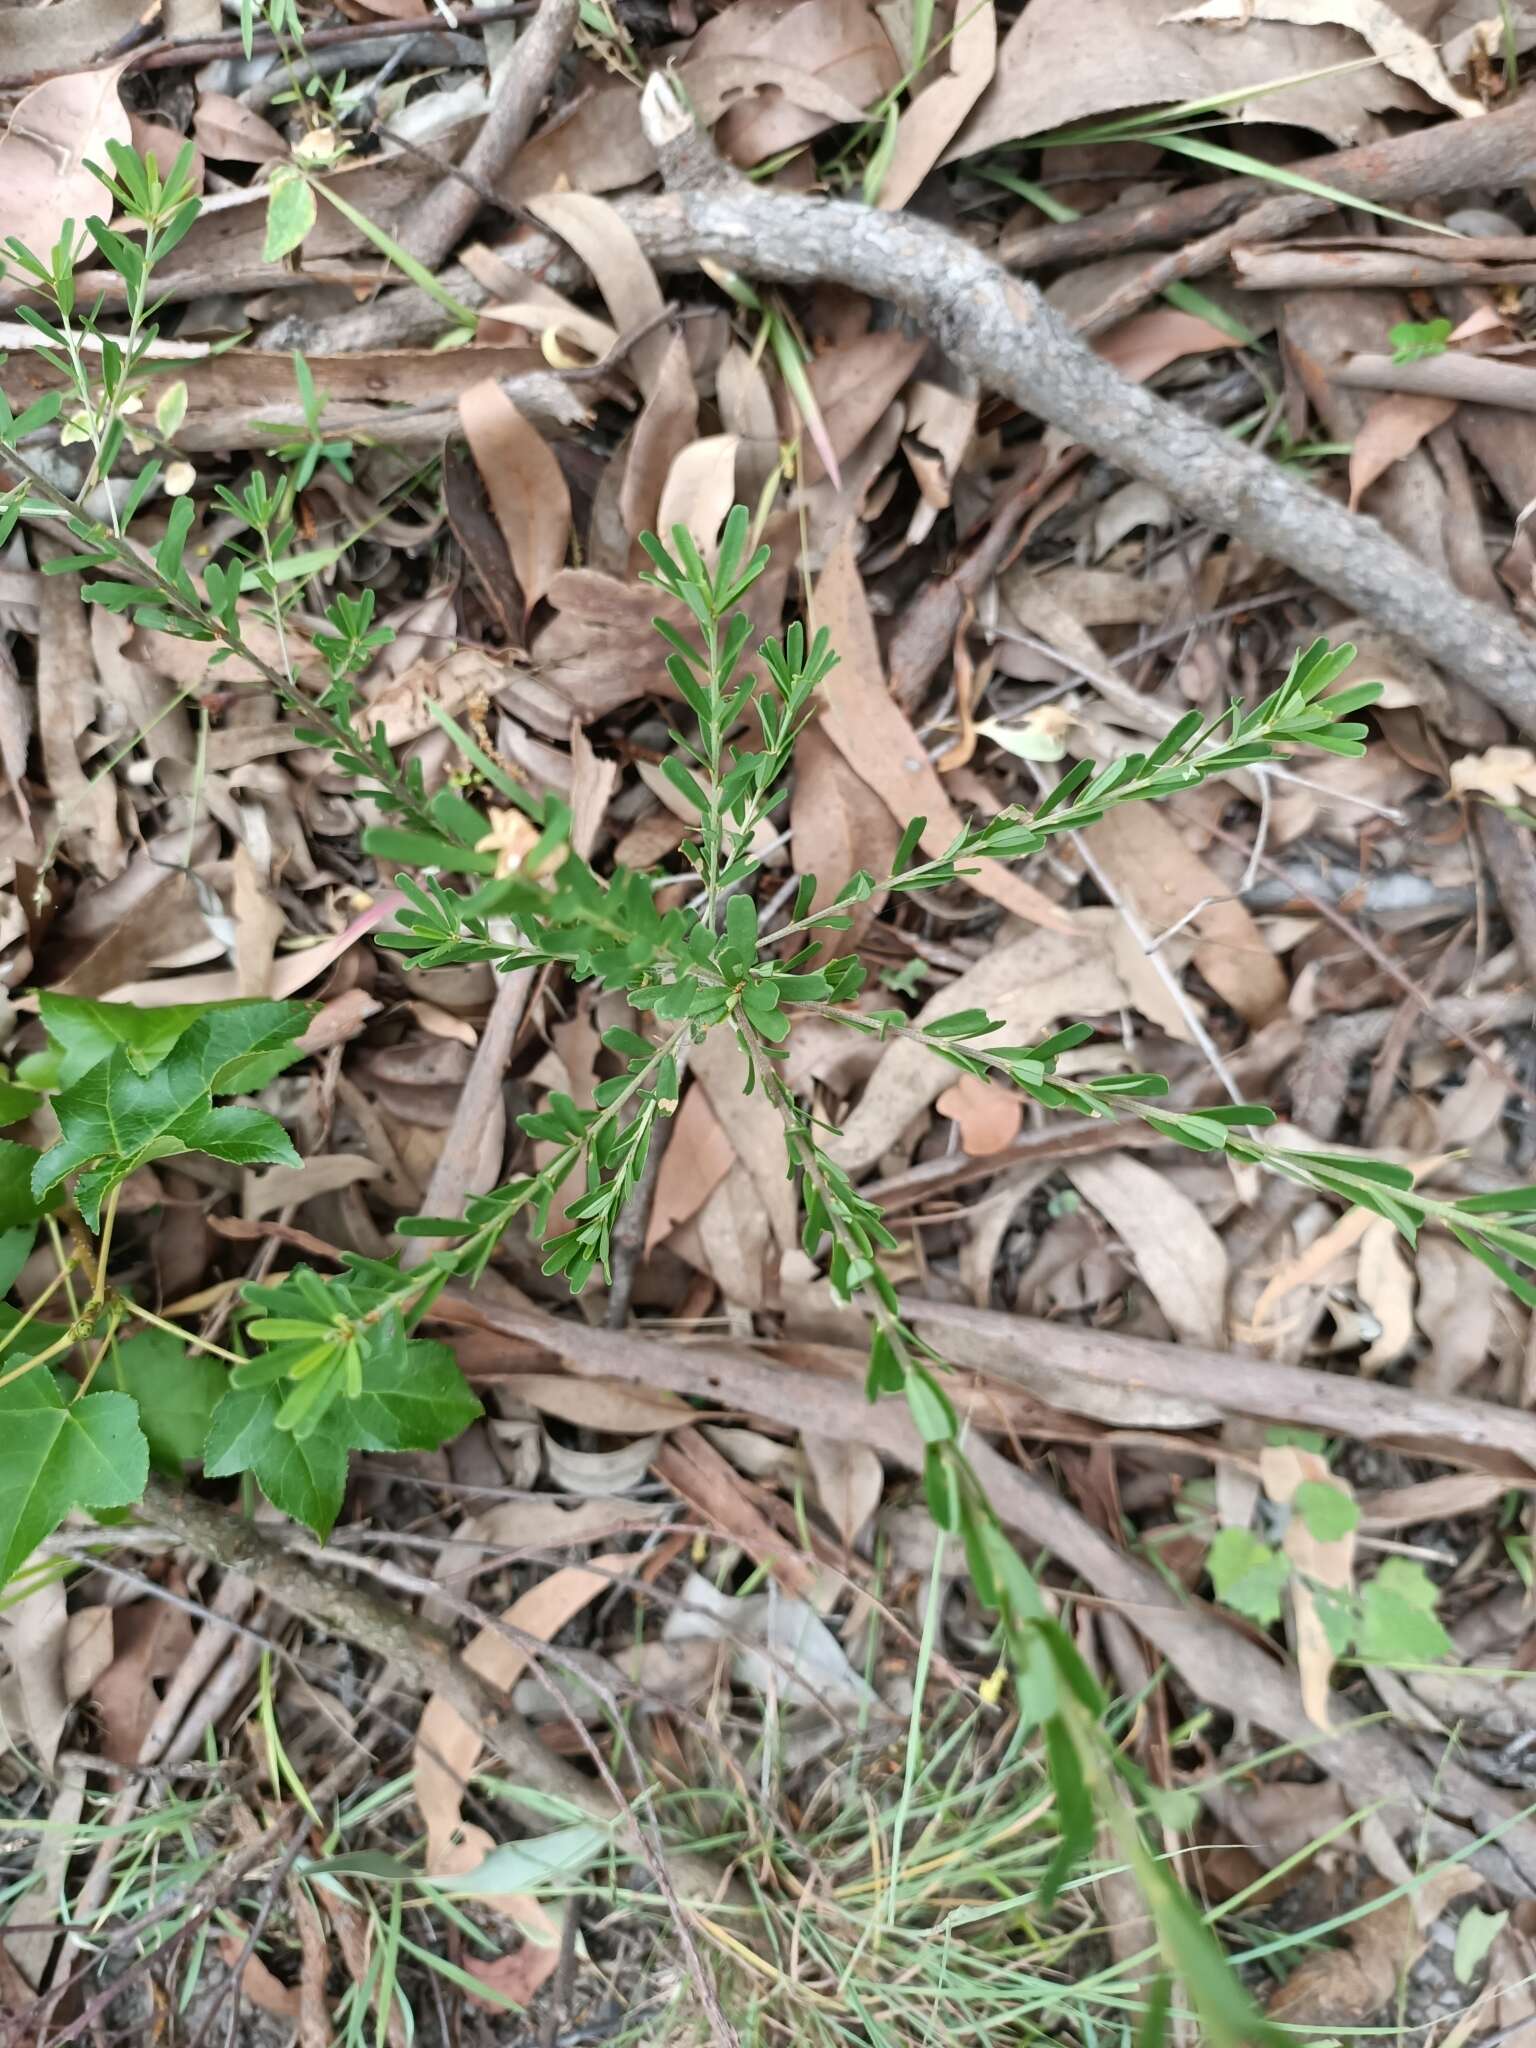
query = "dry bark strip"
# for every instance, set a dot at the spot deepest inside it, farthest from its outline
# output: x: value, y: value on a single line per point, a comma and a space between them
x: 1478, y: 380
x: 1002, y: 332
x: 1450, y: 1427
x: 1222, y: 1667
x: 1449, y: 156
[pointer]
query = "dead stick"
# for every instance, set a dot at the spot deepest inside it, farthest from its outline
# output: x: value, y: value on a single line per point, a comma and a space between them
x: 1481, y: 380
x: 1428, y: 164
x: 516, y: 98
x: 1002, y: 332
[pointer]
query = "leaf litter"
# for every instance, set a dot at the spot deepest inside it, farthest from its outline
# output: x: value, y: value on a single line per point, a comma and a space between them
x: 735, y: 1587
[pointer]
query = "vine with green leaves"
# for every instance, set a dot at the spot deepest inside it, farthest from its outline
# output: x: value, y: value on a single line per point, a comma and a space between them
x: 318, y: 1366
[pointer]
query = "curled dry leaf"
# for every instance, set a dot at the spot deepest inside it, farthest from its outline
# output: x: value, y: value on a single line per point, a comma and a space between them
x: 525, y: 484
x: 625, y: 278
x: 1507, y: 774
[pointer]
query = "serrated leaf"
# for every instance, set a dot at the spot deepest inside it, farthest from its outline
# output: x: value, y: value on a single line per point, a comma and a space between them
x: 115, y: 1117
x: 305, y: 1477
x: 1247, y: 1575
x: 61, y: 1455
x: 1397, y: 1617
x: 414, y: 1398
x: 87, y: 1032
x: 176, y: 1391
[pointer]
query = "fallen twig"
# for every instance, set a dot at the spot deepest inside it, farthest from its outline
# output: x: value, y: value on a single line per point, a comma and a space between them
x: 437, y: 225
x: 1479, y: 380
x: 1002, y: 332
x: 1446, y: 157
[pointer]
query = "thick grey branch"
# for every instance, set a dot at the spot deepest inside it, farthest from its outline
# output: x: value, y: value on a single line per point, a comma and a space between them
x: 1000, y: 330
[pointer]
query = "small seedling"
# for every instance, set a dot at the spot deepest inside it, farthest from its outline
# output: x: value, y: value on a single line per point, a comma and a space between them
x: 1413, y: 341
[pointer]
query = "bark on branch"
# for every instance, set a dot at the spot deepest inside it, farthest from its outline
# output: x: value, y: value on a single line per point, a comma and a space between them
x: 1000, y: 329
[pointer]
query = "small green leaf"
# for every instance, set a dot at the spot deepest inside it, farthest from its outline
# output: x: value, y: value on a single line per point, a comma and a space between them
x: 1413, y: 340
x: 61, y: 1455
x: 1475, y: 1935
x: 1397, y: 1617
x: 1247, y: 1575
x: 290, y: 213
x: 1328, y: 1511
x: 18, y: 1204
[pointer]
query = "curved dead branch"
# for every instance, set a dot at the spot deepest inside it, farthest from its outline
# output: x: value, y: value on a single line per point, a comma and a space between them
x: 1000, y: 330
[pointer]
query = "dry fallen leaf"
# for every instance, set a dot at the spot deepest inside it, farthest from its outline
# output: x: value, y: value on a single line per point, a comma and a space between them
x: 525, y: 484
x: 1146, y: 858
x: 1150, y: 341
x: 1507, y: 774
x: 990, y: 1115
x: 1330, y: 1563
x: 1385, y: 1283
x: 1175, y: 1250
x: 875, y: 737
x: 447, y: 1748
x: 928, y: 124
x: 837, y: 825
x: 1030, y: 984
x: 1343, y: 1987
x: 1063, y: 62
x: 849, y: 1481
x: 1393, y: 428
x: 699, y: 1155
x: 665, y: 430
x: 56, y: 127
x: 625, y: 279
